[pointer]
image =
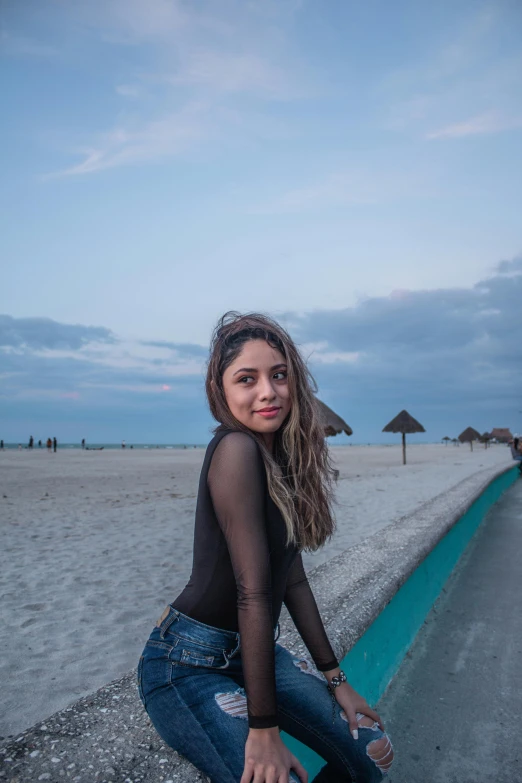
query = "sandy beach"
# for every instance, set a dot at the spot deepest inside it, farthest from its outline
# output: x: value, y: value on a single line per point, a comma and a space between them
x: 94, y: 544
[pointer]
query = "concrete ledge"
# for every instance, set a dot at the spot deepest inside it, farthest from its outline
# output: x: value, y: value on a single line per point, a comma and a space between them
x: 353, y: 588
x: 379, y: 621
x: 108, y: 736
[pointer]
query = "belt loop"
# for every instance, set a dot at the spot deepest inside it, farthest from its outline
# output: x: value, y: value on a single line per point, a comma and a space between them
x: 236, y: 648
x: 229, y: 657
x: 168, y: 622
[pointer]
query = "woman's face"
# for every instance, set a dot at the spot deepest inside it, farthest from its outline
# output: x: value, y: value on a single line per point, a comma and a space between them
x: 256, y: 388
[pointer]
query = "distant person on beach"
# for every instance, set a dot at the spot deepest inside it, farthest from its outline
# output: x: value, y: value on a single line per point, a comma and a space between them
x: 49, y: 444
x: 214, y: 682
x: 31, y: 442
x: 39, y: 444
x: 55, y: 443
x: 83, y: 443
x: 1, y: 445
x: 123, y: 444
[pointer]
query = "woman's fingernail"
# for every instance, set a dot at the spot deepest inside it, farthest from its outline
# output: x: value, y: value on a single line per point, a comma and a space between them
x: 355, y: 734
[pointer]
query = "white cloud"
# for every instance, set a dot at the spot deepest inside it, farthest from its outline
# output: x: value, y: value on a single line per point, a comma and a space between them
x: 335, y: 357
x: 129, y: 90
x: 152, y: 141
x: 196, y: 66
x: 349, y: 186
x: 320, y: 353
x: 470, y: 74
x: 133, y: 22
x: 130, y: 355
x: 483, y: 124
x: 334, y: 190
x: 173, y: 21
x: 229, y: 72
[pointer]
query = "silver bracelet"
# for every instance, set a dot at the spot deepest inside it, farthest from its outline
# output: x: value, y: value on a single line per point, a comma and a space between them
x: 332, y: 685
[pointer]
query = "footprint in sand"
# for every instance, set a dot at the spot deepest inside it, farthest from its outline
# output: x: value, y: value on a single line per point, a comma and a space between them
x: 34, y: 607
x: 30, y: 621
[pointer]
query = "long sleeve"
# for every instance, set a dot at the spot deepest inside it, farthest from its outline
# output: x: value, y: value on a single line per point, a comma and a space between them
x: 236, y: 481
x: 300, y: 602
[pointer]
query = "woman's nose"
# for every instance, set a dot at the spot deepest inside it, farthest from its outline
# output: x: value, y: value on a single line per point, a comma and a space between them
x: 266, y: 390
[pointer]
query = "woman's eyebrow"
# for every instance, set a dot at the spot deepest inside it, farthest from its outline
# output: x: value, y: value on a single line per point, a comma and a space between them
x: 254, y: 369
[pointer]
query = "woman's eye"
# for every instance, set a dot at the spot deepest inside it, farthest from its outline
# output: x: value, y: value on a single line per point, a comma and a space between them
x: 282, y: 375
x: 245, y: 378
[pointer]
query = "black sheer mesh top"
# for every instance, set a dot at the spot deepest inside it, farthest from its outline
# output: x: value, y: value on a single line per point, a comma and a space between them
x: 243, y: 571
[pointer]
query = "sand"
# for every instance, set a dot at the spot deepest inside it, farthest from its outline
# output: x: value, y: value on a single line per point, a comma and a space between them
x: 95, y: 544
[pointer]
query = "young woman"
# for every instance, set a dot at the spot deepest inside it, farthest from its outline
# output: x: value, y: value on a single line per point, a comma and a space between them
x: 212, y: 679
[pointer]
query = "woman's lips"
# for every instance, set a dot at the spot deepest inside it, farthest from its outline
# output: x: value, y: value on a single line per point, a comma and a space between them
x: 270, y: 414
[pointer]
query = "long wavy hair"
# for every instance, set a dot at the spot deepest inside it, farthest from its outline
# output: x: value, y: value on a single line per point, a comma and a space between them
x: 300, y: 473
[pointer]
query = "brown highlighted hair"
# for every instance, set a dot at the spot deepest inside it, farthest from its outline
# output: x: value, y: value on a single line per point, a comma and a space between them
x: 299, y: 472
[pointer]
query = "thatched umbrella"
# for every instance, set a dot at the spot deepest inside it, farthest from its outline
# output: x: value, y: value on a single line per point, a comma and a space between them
x: 486, y: 437
x: 446, y: 438
x: 405, y: 424
x: 468, y: 436
x: 502, y: 434
x: 333, y: 424
x: 455, y: 441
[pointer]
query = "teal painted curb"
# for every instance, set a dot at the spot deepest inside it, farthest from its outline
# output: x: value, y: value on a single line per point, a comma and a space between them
x: 375, y: 658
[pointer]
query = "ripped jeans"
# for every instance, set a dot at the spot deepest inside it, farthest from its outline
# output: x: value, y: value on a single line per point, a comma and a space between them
x: 190, y: 682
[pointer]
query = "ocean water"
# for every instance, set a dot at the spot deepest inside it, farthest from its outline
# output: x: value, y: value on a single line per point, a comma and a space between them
x: 128, y: 445
x: 111, y: 446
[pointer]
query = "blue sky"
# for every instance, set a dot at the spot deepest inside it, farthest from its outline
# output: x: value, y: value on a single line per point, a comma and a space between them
x: 352, y: 168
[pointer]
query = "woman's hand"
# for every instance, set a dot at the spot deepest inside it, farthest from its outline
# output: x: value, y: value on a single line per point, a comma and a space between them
x: 268, y: 760
x: 352, y: 703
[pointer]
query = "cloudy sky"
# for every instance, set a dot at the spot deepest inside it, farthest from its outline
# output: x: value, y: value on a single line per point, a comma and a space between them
x: 351, y: 168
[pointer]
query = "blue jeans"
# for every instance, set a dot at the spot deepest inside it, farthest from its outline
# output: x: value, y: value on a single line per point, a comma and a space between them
x: 191, y: 684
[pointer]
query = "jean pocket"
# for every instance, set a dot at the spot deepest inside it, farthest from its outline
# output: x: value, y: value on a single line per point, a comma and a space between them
x: 196, y: 657
x: 139, y: 678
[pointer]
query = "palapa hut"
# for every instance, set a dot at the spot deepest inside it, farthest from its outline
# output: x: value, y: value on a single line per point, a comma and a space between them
x: 502, y: 434
x: 446, y: 438
x: 486, y: 437
x: 405, y: 424
x: 468, y: 436
x: 333, y: 424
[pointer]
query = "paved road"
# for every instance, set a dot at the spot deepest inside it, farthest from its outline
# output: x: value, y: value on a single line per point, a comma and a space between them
x: 454, y: 710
